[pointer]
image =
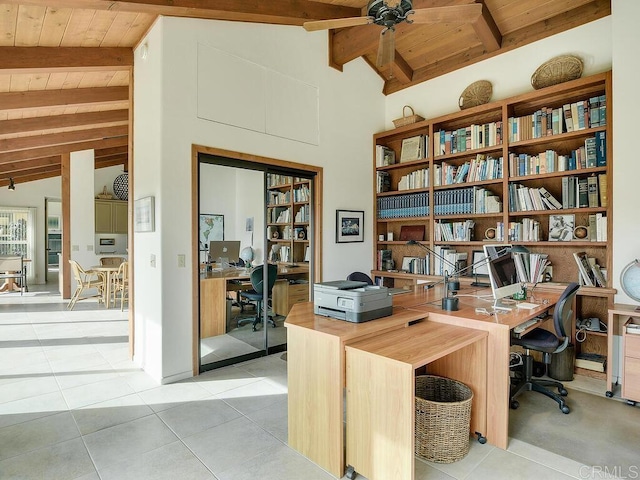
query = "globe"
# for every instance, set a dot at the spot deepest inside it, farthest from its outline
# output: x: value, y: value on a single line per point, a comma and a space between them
x: 630, y: 280
x: 247, y: 255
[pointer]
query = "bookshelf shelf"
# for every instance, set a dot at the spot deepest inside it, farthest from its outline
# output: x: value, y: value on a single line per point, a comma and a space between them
x: 564, y: 155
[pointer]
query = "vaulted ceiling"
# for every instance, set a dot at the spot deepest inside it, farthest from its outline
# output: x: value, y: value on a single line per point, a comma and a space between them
x: 65, y: 65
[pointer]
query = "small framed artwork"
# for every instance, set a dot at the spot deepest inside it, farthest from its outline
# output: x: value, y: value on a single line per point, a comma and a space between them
x: 561, y: 228
x: 144, y: 219
x: 349, y: 226
x: 211, y: 228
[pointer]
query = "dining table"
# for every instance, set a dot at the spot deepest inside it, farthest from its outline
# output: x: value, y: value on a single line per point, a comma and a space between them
x: 10, y: 284
x: 108, y: 272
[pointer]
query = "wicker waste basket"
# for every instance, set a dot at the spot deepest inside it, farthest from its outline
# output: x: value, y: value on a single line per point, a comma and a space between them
x: 443, y: 417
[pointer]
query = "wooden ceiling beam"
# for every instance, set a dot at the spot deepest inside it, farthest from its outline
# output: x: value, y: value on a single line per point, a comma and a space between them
x: 75, y: 136
x: 350, y: 43
x: 111, y: 162
x: 33, y: 170
x: 63, y: 97
x: 31, y: 177
x: 6, y: 157
x: 53, y: 122
x: 64, y: 59
x: 284, y: 12
x: 12, y: 167
x: 487, y: 30
x: 401, y: 69
x: 109, y: 152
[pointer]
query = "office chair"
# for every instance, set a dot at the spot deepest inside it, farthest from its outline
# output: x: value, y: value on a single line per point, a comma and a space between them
x: 256, y: 295
x: 548, y: 343
x: 360, y: 277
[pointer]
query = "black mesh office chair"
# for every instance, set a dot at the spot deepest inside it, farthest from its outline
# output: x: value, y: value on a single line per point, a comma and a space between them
x: 548, y: 343
x: 360, y: 277
x: 256, y: 295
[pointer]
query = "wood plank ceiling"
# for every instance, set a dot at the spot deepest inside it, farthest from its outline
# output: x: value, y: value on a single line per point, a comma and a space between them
x: 66, y: 65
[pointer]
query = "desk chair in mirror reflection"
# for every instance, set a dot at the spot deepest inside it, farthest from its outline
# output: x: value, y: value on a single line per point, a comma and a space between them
x: 257, y: 293
x: 548, y: 343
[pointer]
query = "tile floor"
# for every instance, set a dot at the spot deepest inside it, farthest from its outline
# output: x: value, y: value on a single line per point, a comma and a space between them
x: 72, y: 406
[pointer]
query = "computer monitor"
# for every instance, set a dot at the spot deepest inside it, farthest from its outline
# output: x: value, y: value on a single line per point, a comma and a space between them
x: 504, y: 278
x: 227, y: 250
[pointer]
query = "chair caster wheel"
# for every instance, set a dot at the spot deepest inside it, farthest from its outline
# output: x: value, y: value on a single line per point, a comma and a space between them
x: 481, y: 439
x: 563, y: 392
x: 514, y: 404
x: 631, y: 402
x: 351, y: 472
x: 254, y: 329
x: 609, y: 394
x: 565, y: 409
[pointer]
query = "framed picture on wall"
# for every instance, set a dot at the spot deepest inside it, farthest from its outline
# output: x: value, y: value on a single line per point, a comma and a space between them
x: 349, y: 226
x: 211, y: 228
x: 144, y: 219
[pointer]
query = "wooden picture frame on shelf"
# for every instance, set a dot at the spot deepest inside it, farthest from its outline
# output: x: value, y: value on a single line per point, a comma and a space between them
x: 349, y: 226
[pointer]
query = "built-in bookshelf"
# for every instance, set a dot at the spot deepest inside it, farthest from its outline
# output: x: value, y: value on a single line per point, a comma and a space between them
x: 533, y: 170
x: 288, y: 210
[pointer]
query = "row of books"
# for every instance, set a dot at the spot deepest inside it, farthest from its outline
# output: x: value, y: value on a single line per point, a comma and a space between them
x: 385, y: 156
x: 278, y: 215
x: 384, y: 259
x: 302, y: 215
x: 447, y: 259
x: 416, y: 179
x: 590, y: 274
x: 580, y: 115
x: 417, y: 265
x: 301, y: 194
x: 403, y: 206
x: 279, y: 198
x: 469, y: 138
x: 597, y: 227
x: 454, y: 231
x: 479, y: 169
x: 275, y: 180
x: 583, y: 192
x: 528, y: 230
x: 592, y: 154
x: 383, y: 182
x: 527, y: 199
x: 466, y: 200
x: 530, y: 266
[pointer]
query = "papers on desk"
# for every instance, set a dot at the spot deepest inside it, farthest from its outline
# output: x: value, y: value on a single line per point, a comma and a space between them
x: 527, y: 305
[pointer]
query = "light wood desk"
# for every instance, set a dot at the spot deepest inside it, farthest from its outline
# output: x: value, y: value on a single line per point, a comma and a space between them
x: 498, y: 327
x: 381, y: 410
x: 213, y: 294
x: 316, y: 365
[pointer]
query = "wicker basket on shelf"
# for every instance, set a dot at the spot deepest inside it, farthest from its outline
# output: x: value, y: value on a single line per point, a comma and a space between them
x: 443, y: 418
x: 557, y: 70
x: 478, y: 93
x: 407, y: 119
x: 104, y: 195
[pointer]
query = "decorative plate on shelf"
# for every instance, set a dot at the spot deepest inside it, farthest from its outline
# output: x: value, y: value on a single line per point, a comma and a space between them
x: 630, y: 280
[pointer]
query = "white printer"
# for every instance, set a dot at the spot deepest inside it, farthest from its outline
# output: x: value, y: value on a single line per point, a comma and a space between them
x: 351, y: 301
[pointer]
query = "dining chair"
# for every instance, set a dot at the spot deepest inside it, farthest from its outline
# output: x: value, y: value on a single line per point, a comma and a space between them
x: 111, y: 261
x: 85, y: 280
x: 121, y: 284
x: 12, y: 269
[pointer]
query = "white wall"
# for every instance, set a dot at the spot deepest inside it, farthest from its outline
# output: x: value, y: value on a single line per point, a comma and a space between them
x: 82, y: 205
x: 351, y: 107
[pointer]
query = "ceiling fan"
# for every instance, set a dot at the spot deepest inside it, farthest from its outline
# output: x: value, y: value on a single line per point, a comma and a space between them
x: 389, y: 13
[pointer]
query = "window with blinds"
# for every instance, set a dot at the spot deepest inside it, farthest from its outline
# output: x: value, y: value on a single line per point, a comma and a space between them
x: 17, y: 232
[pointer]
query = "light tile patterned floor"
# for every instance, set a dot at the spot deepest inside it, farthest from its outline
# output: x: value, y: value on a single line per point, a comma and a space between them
x: 72, y: 406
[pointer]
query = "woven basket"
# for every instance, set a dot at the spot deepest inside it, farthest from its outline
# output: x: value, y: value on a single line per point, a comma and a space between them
x: 407, y: 119
x: 478, y: 93
x: 557, y: 70
x: 443, y: 418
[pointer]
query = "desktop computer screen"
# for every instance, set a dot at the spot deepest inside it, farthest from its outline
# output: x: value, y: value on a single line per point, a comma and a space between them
x: 225, y: 249
x: 503, y: 274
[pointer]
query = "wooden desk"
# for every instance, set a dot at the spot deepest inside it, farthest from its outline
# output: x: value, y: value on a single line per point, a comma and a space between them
x: 618, y: 315
x: 316, y: 377
x: 498, y: 327
x: 381, y: 380
x: 316, y: 365
x: 213, y: 295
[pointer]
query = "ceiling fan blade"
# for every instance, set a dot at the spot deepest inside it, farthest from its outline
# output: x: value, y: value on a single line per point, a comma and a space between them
x: 393, y: 3
x: 386, y: 48
x: 336, y: 23
x: 451, y: 14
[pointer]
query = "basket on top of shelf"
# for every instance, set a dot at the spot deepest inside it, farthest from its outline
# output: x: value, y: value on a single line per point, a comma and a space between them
x: 407, y: 119
x: 557, y: 70
x: 478, y: 93
x: 104, y: 195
